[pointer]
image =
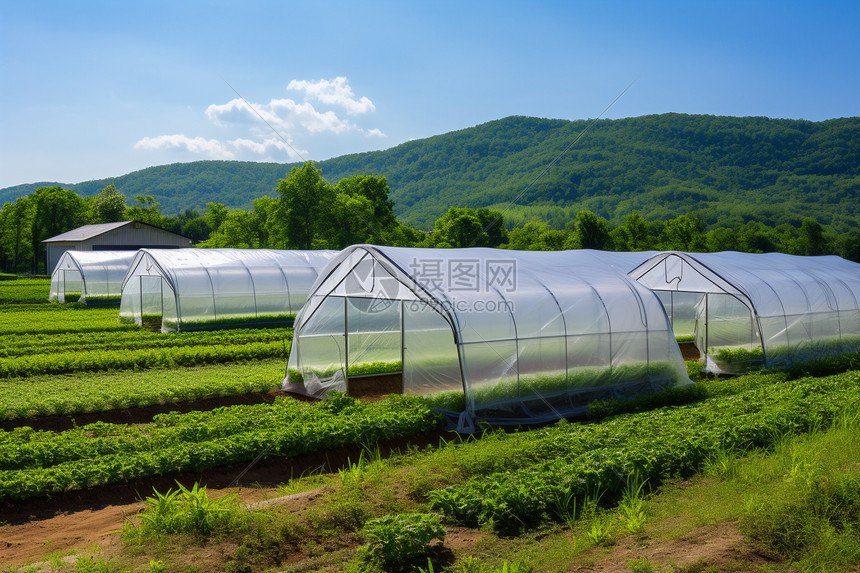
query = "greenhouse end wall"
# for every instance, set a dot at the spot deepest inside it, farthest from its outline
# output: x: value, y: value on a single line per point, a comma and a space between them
x: 90, y: 277
x: 507, y: 336
x: 197, y: 289
x: 763, y: 310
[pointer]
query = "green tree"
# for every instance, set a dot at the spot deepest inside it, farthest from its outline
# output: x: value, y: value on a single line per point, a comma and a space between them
x: 467, y: 227
x: 375, y: 190
x: 145, y: 210
x: 238, y: 230
x: 847, y: 246
x: 537, y: 236
x: 305, y: 211
x: 811, y: 239
x: 362, y: 211
x: 215, y: 215
x: 109, y: 205
x: 755, y: 237
x: 55, y: 210
x: 722, y: 239
x: 16, y: 226
x: 493, y: 232
x: 633, y: 235
x: 685, y: 233
x: 590, y: 231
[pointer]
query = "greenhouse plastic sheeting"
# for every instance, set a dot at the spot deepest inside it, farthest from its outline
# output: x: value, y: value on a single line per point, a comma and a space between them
x: 192, y: 289
x: 507, y: 336
x: 753, y: 310
x: 96, y: 275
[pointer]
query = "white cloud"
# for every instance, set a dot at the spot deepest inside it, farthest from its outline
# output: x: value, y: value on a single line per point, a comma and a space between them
x: 335, y: 92
x: 212, y: 148
x: 267, y: 147
x: 287, y: 117
x: 209, y: 147
x: 284, y: 115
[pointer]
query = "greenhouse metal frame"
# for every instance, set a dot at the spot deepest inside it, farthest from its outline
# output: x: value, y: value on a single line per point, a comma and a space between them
x: 95, y: 276
x: 197, y: 289
x: 749, y: 311
x: 505, y: 336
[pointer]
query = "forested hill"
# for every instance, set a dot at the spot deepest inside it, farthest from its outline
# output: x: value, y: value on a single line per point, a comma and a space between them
x: 728, y: 169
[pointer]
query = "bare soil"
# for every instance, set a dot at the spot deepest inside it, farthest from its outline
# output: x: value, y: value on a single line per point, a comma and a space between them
x: 720, y: 547
x: 365, y: 387
x: 689, y: 351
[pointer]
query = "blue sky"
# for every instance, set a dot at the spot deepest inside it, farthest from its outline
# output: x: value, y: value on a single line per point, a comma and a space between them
x: 92, y: 89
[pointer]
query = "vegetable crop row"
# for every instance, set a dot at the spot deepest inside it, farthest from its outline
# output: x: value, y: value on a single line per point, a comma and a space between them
x: 96, y: 360
x: 25, y: 291
x: 581, y: 461
x: 15, y: 345
x: 113, y: 454
x: 70, y: 394
x: 46, y: 318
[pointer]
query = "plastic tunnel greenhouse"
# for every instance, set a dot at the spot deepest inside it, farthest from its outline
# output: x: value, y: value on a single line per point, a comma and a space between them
x: 506, y: 336
x: 749, y: 311
x: 94, y: 276
x: 194, y: 289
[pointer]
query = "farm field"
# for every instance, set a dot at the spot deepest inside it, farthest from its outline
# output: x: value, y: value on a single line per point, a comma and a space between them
x: 697, y: 479
x: 68, y: 360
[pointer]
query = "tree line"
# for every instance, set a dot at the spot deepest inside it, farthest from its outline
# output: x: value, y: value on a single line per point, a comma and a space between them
x: 310, y: 213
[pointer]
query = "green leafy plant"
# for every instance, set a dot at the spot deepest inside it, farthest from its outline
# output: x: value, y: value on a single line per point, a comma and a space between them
x: 632, y: 506
x: 189, y: 511
x: 400, y: 538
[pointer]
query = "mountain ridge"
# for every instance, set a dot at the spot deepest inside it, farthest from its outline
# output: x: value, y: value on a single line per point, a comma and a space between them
x: 725, y: 168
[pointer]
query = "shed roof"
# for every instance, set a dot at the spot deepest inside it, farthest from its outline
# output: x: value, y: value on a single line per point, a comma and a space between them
x: 89, y: 231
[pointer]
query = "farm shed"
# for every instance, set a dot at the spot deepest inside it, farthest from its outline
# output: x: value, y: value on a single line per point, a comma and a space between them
x: 95, y: 275
x: 507, y: 336
x: 121, y: 236
x: 193, y: 289
x: 749, y: 311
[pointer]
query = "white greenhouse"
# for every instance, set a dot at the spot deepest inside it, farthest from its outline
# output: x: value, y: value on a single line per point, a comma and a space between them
x: 749, y: 311
x: 91, y: 277
x: 194, y: 289
x: 507, y: 336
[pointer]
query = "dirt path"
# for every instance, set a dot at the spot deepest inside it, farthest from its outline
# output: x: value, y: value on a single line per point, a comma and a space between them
x: 100, y: 525
x: 75, y: 531
x: 719, y: 547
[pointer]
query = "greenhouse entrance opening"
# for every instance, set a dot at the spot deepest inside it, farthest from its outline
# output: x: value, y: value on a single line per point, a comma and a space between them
x: 70, y: 285
x: 706, y: 310
x: 372, y: 336
x: 705, y: 323
x: 89, y: 277
x: 152, y: 298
